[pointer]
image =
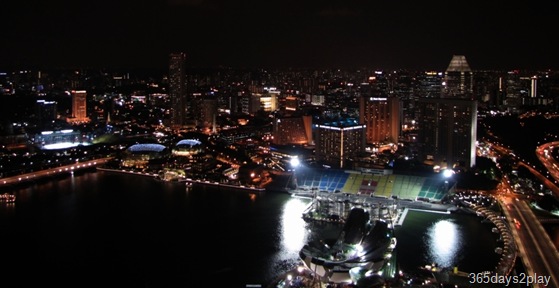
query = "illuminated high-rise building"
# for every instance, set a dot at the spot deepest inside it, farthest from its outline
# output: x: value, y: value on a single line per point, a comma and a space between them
x: 79, y: 106
x: 269, y: 102
x: 382, y: 118
x: 178, y: 89
x: 534, y: 86
x: 514, y: 90
x: 292, y: 129
x: 447, y: 131
x: 339, y: 141
x: 430, y: 84
x: 458, y: 79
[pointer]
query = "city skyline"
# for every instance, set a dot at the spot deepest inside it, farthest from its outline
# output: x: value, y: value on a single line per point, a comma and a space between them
x: 404, y: 35
x: 454, y: 141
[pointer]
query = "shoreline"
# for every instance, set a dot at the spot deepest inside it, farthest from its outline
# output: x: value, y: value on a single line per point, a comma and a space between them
x: 184, y: 180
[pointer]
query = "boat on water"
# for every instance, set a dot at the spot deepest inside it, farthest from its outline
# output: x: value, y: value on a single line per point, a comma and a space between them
x: 7, y: 198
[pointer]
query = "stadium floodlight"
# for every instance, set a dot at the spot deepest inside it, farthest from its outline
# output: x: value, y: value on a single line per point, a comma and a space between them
x: 295, y: 162
x: 447, y: 173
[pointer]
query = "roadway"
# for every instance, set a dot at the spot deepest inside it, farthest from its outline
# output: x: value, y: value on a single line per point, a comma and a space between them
x: 4, y: 182
x: 538, y: 252
x: 545, y: 155
x: 535, y: 246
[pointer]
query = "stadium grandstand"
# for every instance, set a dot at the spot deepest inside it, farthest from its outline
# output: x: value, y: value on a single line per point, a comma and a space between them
x: 355, y: 182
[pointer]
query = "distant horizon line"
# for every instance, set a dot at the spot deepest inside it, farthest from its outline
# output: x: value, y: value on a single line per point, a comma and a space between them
x: 232, y: 67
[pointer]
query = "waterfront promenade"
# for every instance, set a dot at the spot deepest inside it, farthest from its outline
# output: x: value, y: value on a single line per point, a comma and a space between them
x: 188, y: 181
x: 510, y: 249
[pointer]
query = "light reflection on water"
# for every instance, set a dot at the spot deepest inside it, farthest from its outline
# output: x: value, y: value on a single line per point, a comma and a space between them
x: 443, y: 240
x: 92, y: 207
x: 293, y: 233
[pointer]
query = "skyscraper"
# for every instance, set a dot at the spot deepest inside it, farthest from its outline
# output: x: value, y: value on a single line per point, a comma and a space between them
x: 447, y: 131
x: 458, y: 79
x: 448, y: 124
x: 430, y: 84
x: 339, y: 141
x: 79, y: 106
x: 382, y: 118
x: 178, y: 90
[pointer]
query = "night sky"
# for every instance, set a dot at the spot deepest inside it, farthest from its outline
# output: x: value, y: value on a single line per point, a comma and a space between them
x: 279, y: 34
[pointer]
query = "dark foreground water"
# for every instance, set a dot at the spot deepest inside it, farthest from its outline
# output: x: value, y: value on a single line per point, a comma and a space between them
x: 455, y: 240
x: 102, y: 229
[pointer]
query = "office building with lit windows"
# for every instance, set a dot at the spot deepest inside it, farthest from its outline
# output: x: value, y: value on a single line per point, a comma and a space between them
x: 79, y: 107
x: 338, y: 142
x: 458, y: 79
x: 447, y: 131
x: 382, y: 118
x: 178, y: 90
x: 448, y: 125
x: 269, y: 101
x: 292, y: 129
x: 430, y: 84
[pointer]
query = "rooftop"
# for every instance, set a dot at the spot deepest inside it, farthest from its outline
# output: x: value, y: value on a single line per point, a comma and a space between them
x: 458, y: 64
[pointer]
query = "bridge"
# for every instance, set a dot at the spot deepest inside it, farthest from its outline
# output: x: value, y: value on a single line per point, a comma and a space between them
x: 65, y: 169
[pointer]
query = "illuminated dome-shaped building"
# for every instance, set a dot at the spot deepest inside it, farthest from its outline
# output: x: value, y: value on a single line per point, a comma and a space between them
x: 140, y: 155
x: 188, y: 147
x: 190, y: 154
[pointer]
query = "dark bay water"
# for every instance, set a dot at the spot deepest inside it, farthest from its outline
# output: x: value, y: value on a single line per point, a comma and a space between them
x: 102, y: 229
x: 110, y: 230
x: 448, y: 240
